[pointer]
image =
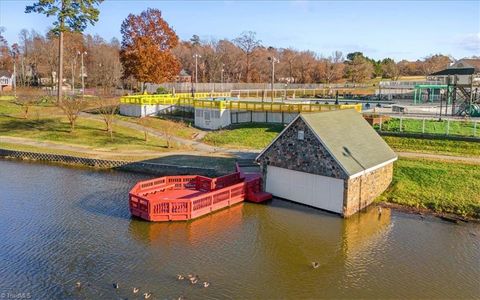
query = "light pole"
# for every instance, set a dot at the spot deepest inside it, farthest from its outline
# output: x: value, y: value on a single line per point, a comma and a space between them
x: 196, y: 56
x: 74, y: 64
x: 83, y: 72
x: 274, y: 60
x: 14, y: 83
x: 221, y: 76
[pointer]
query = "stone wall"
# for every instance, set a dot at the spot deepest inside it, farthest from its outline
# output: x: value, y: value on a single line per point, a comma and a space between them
x: 307, y: 155
x: 137, y: 166
x: 362, y: 190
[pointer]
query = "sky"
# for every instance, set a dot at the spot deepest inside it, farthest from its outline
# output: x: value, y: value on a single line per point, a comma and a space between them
x: 397, y: 29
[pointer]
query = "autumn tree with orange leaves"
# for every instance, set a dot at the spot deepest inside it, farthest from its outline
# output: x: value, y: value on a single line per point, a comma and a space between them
x: 146, y: 54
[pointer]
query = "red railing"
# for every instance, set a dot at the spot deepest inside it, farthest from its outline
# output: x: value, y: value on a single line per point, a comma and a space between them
x: 218, y: 193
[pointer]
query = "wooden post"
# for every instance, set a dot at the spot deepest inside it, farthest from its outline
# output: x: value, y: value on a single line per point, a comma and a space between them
x: 423, y: 126
x: 401, y: 121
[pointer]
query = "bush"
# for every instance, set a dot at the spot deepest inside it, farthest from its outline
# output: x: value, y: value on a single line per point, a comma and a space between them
x: 161, y: 90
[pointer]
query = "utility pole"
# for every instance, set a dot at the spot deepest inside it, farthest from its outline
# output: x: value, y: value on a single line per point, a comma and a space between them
x: 14, y: 83
x: 60, y: 61
x: 83, y: 74
x: 221, y: 76
x: 196, y: 56
x: 274, y: 60
x: 74, y: 63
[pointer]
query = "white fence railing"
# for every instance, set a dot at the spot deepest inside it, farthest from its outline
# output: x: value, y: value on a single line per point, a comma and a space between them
x: 228, y: 86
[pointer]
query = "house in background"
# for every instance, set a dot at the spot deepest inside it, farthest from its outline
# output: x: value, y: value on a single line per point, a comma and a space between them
x: 467, y: 63
x: 462, y: 72
x: 183, y: 77
x: 6, y: 81
x: 333, y: 160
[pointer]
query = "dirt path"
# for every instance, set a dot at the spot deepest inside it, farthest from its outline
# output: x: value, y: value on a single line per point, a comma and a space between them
x: 121, y: 154
x: 474, y: 160
x: 242, y: 154
x: 106, y: 154
x: 193, y: 144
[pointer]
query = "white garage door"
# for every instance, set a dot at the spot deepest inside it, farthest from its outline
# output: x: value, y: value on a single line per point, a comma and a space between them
x: 314, y: 190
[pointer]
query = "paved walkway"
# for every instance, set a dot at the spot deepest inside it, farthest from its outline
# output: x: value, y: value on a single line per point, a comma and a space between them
x: 78, y: 148
x: 250, y: 154
x: 194, y: 144
x: 475, y: 160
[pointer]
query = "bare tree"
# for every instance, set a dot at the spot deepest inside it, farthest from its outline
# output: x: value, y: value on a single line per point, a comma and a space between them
x: 248, y: 43
x: 304, y: 65
x: 103, y: 63
x: 26, y: 102
x: 434, y: 63
x: 144, y: 122
x: 72, y: 107
x: 107, y: 108
x: 330, y: 69
x: 287, y: 62
x: 169, y: 132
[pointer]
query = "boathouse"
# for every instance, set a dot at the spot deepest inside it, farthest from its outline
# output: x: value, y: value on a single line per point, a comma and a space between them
x: 333, y: 160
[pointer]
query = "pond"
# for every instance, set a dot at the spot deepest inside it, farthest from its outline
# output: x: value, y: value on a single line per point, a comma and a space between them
x: 62, y: 225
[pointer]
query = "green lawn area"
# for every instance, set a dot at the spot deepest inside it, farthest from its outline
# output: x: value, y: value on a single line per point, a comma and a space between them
x: 250, y: 135
x: 178, y: 128
x: 6, y: 98
x: 222, y: 164
x: 88, y: 133
x: 445, y: 147
x: 45, y: 123
x: 257, y: 136
x: 440, y: 186
x: 463, y: 128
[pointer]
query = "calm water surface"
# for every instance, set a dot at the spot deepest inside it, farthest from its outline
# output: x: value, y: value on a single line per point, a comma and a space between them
x: 60, y: 225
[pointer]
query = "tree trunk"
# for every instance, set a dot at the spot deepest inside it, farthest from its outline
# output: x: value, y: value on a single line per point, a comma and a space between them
x: 60, y: 68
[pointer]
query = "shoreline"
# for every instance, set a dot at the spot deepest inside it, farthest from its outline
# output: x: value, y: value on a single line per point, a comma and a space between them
x: 448, y: 217
x: 157, y: 169
x: 161, y: 169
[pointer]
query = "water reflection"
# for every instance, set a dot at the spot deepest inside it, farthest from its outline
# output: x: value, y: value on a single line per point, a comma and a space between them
x: 53, y: 236
x: 222, y: 222
x: 365, y: 229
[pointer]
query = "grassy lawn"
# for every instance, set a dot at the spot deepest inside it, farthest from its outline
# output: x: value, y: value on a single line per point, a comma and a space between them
x: 250, y: 135
x: 463, y: 128
x: 444, y: 147
x: 45, y: 123
x: 28, y: 148
x: 257, y: 136
x: 440, y: 186
x: 6, y: 98
x: 88, y: 132
x: 221, y: 164
x: 178, y: 128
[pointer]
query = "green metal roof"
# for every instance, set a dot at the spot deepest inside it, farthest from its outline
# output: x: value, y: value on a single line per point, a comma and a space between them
x: 349, y: 139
